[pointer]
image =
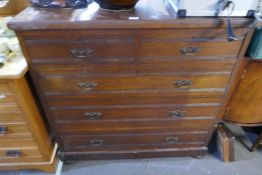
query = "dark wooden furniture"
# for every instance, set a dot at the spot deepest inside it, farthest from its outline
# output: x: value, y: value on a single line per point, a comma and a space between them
x: 133, y: 84
x: 24, y: 140
x: 245, y: 107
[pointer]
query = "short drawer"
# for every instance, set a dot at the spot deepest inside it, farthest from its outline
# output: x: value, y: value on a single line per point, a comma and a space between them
x: 208, y: 111
x: 183, y: 43
x: 20, y: 155
x: 184, y: 82
x: 9, y: 117
x: 74, y: 46
x: 134, y: 141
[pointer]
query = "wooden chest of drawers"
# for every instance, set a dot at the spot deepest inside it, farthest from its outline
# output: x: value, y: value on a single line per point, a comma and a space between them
x: 114, y: 87
x: 24, y: 140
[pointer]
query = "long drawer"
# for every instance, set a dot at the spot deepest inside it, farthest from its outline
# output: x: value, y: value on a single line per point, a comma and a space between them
x: 135, y: 142
x: 132, y: 125
x: 141, y: 65
x: 116, y: 101
x: 78, y: 83
x: 137, y: 113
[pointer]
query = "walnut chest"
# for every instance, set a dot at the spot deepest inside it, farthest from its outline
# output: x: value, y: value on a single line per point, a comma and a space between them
x: 133, y: 84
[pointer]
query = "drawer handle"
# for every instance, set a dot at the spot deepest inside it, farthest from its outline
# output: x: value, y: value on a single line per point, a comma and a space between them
x: 2, y: 97
x: 93, y: 115
x: 3, y: 129
x: 81, y: 53
x: 98, y: 142
x: 171, y: 140
x: 177, y: 114
x: 189, y: 51
x: 88, y: 85
x: 13, y: 153
x: 183, y: 83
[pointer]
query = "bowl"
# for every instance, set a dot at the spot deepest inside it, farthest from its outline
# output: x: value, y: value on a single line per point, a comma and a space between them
x: 117, y: 4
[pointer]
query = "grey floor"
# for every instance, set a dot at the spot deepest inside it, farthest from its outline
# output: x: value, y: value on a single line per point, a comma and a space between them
x: 246, y: 163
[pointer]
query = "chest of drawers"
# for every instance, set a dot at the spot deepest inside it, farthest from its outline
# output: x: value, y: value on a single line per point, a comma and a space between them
x: 114, y: 87
x: 24, y: 140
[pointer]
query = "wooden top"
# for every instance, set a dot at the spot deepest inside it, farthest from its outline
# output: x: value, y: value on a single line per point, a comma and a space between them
x: 146, y: 14
x: 13, y: 7
x: 15, y: 69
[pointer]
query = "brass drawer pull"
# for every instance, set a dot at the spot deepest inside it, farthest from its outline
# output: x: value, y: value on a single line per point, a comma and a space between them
x: 82, y: 52
x: 3, y: 129
x: 13, y: 153
x: 88, y: 85
x: 183, y: 83
x: 171, y: 140
x: 177, y: 114
x: 93, y: 115
x: 189, y: 51
x: 2, y: 97
x: 98, y: 142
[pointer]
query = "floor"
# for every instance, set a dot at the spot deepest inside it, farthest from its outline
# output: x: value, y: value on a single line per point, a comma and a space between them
x: 246, y: 163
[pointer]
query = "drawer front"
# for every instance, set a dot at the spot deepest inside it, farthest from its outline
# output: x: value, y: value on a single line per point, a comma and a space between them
x: 132, y: 125
x: 67, y: 84
x: 12, y: 143
x: 9, y: 117
x: 187, y: 49
x: 136, y: 113
x: 203, y: 43
x: 142, y: 65
x: 137, y: 141
x: 20, y: 155
x: 116, y: 101
x: 82, y: 46
x: 14, y: 131
x: 6, y: 97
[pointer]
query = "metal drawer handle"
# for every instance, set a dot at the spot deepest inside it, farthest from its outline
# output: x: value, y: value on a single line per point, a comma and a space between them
x: 177, y: 114
x: 171, y: 140
x: 183, y: 83
x: 189, y: 51
x: 13, y: 153
x: 3, y: 129
x: 98, y: 142
x: 2, y: 97
x: 93, y: 115
x: 88, y: 85
x: 82, y: 52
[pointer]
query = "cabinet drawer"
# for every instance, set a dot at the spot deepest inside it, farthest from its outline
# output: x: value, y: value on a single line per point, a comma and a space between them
x: 13, y: 143
x: 142, y: 65
x: 128, y: 101
x: 187, y: 49
x: 9, y: 117
x: 6, y: 98
x: 137, y: 113
x: 69, y: 84
x: 14, y: 131
x: 132, y: 125
x: 20, y: 155
x: 133, y: 141
x: 79, y: 47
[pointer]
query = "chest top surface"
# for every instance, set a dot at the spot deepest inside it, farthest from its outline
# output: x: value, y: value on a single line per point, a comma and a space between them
x: 146, y: 14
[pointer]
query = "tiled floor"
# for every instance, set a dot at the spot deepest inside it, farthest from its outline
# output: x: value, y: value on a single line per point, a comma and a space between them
x: 246, y: 164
